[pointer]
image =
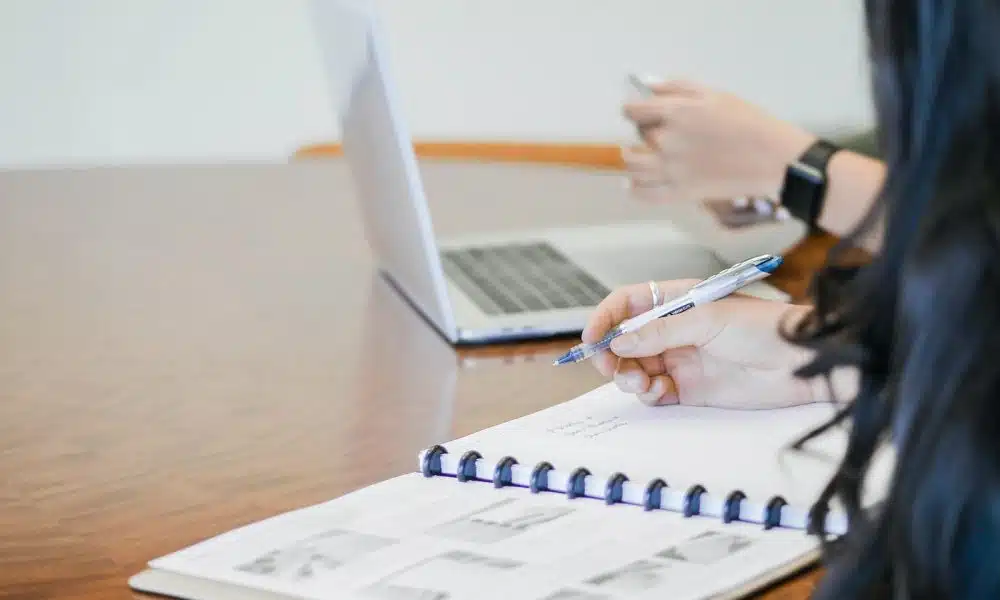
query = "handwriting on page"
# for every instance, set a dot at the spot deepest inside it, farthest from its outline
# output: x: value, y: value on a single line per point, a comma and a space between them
x: 589, y: 427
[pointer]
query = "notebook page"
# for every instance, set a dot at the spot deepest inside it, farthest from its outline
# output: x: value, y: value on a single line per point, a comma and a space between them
x: 418, y: 538
x: 607, y: 431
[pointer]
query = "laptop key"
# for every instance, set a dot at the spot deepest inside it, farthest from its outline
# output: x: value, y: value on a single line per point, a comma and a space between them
x: 521, y: 278
x: 481, y: 291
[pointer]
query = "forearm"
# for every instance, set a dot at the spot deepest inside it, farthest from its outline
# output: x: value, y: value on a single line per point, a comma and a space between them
x: 854, y: 182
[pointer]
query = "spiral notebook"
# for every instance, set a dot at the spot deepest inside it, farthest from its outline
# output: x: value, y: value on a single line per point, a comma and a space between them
x: 596, y: 498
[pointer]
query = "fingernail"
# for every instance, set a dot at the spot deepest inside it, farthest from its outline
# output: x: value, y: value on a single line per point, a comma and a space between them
x: 667, y: 392
x: 648, y: 398
x: 623, y: 343
x: 635, y: 381
x: 656, y: 390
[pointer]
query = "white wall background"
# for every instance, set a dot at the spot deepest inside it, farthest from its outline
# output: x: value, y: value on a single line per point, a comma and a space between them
x: 87, y: 82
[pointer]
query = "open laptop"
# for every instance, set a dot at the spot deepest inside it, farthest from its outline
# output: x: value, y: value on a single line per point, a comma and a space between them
x: 485, y: 288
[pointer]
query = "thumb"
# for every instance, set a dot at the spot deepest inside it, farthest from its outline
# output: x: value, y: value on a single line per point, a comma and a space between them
x: 694, y: 327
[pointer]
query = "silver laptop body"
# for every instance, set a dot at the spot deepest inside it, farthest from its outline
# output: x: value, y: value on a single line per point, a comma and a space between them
x: 486, y: 287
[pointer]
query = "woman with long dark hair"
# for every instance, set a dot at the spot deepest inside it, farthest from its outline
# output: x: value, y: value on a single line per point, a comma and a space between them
x: 910, y: 341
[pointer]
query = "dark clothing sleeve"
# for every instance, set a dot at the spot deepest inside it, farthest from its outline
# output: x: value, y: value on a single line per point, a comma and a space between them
x: 863, y: 143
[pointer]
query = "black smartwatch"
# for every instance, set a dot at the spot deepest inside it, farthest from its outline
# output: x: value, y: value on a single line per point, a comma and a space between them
x: 804, y: 189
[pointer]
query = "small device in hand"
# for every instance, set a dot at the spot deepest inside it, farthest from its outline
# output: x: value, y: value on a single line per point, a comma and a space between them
x: 639, y: 85
x: 746, y: 212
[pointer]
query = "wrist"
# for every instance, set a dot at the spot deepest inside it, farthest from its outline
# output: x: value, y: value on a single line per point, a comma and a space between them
x: 783, y: 150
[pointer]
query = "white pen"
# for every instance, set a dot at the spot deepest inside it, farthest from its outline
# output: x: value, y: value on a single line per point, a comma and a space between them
x: 640, y: 85
x: 714, y: 288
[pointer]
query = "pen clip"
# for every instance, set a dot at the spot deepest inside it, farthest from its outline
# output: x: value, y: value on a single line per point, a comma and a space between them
x: 736, y: 269
x: 713, y: 279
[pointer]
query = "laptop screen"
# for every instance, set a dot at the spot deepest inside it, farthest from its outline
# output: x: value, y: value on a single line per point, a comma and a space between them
x: 379, y: 152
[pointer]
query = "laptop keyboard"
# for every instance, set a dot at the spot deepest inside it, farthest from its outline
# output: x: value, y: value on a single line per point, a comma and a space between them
x: 519, y: 278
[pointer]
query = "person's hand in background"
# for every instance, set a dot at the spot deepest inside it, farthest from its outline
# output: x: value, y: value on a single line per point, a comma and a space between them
x: 728, y: 354
x: 699, y: 144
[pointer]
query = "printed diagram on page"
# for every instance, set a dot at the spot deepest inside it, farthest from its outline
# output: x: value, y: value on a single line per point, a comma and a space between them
x: 707, y: 548
x: 452, y: 575
x: 635, y: 577
x: 312, y: 557
x: 500, y: 521
x: 670, y: 566
x: 568, y: 594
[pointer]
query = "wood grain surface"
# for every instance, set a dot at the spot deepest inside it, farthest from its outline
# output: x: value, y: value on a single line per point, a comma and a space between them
x: 184, y: 350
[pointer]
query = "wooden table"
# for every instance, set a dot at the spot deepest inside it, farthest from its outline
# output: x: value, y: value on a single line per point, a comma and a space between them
x: 187, y: 349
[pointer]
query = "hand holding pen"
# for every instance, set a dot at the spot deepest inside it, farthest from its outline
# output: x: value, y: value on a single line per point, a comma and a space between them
x: 727, y: 352
x: 718, y: 286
